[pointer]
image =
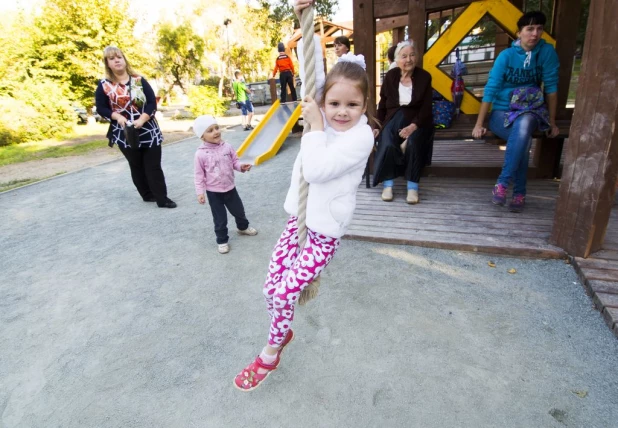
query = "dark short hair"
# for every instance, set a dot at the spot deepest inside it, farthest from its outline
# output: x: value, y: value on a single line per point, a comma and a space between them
x: 342, y: 40
x: 390, y: 53
x: 237, y: 73
x: 531, y: 18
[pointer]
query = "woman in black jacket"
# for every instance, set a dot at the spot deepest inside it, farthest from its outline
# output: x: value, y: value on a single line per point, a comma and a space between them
x: 405, y: 143
x: 127, y: 99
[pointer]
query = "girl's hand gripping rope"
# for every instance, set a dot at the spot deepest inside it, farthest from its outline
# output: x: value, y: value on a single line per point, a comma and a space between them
x: 312, y: 114
x: 299, y: 5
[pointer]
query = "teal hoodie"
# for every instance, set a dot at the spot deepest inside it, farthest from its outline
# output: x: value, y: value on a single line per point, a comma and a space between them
x: 516, y: 68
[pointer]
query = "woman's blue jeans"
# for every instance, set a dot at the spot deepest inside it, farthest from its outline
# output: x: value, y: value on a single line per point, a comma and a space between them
x: 518, y: 138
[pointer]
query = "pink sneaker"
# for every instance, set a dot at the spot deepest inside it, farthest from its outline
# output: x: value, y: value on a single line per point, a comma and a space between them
x: 517, y: 204
x: 499, y: 195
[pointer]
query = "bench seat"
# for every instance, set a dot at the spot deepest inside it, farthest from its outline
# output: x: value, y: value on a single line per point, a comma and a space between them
x: 461, y: 129
x: 547, y: 154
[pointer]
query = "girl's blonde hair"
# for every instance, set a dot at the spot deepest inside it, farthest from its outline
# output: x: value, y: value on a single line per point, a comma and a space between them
x: 112, y: 51
x: 352, y: 72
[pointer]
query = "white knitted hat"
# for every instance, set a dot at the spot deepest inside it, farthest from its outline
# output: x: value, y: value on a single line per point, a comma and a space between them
x: 202, y: 123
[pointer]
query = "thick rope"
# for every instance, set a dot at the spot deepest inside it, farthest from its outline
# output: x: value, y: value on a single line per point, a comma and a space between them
x: 307, y: 28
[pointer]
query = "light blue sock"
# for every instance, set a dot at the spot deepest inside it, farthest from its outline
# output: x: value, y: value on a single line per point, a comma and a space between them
x: 412, y: 185
x: 388, y: 183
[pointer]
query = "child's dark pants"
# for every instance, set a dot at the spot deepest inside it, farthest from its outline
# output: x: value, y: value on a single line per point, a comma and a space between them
x: 218, y: 203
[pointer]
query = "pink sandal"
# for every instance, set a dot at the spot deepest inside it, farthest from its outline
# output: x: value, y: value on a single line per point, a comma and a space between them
x: 249, y: 378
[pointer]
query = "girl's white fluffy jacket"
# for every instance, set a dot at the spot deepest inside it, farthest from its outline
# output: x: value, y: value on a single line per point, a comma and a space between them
x: 333, y: 165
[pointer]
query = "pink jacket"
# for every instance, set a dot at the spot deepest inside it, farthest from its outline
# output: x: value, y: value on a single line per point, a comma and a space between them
x: 214, y: 168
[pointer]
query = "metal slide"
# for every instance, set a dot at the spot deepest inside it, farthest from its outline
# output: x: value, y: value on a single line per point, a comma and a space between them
x: 266, y: 139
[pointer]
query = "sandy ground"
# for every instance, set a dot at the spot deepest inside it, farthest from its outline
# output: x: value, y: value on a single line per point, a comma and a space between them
x: 117, y: 314
x: 173, y: 131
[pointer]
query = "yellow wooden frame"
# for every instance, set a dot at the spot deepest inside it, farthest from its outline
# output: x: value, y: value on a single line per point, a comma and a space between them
x: 505, y: 14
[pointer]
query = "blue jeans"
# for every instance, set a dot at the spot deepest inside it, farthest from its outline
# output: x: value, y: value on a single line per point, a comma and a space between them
x: 246, y: 107
x: 518, y: 138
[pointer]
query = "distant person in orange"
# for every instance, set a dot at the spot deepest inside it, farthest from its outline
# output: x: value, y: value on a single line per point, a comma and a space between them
x: 286, y: 73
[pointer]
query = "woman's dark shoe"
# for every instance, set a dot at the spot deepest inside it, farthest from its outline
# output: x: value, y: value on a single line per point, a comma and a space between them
x: 150, y: 199
x: 167, y: 204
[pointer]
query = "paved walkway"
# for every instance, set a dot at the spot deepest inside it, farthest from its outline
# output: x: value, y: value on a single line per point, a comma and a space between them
x: 114, y: 313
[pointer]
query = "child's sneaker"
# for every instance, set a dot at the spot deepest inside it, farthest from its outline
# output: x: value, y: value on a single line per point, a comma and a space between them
x: 499, y: 195
x: 248, y: 231
x: 224, y: 248
x: 517, y: 203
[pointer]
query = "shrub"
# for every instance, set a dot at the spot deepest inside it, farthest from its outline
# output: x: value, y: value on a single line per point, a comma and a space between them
x: 16, y: 118
x: 206, y: 100
x: 35, y: 110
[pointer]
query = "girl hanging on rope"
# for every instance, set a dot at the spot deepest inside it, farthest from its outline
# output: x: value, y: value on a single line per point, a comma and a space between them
x: 332, y: 156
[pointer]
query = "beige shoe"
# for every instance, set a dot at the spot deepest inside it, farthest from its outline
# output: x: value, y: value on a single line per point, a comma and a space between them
x: 387, y: 194
x: 224, y: 248
x: 248, y: 231
x: 412, y: 197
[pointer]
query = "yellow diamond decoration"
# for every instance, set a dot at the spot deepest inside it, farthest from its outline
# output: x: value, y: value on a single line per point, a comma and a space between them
x: 505, y: 14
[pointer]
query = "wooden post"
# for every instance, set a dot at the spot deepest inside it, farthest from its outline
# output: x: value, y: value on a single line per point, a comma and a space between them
x: 417, y: 18
x: 323, y: 44
x: 272, y: 84
x: 566, y: 24
x: 591, y: 165
x: 398, y: 35
x: 365, y: 43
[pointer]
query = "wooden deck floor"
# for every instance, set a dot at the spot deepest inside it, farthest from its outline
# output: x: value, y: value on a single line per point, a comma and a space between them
x: 458, y: 214
x: 599, y: 273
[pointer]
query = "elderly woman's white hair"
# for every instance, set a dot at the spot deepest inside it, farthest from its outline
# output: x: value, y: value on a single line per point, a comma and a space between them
x: 402, y: 45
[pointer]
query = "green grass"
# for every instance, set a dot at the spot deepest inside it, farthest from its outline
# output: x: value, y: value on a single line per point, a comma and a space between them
x: 44, y: 149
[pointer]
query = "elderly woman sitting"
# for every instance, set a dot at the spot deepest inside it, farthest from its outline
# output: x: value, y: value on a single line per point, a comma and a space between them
x: 405, y: 143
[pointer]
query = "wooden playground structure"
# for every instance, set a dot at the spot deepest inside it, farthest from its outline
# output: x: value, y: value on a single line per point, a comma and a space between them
x: 565, y: 217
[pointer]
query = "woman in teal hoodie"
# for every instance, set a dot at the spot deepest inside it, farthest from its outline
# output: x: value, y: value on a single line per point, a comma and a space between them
x: 519, y: 107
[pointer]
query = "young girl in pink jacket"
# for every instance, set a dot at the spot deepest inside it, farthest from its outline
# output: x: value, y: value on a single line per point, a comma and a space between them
x: 215, y: 162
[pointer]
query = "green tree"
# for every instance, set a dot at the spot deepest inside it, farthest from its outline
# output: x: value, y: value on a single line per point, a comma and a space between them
x: 15, y: 45
x: 181, y: 52
x: 68, y: 38
x: 280, y: 13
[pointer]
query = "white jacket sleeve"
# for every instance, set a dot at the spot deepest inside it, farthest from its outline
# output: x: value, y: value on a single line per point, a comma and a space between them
x: 323, y: 160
